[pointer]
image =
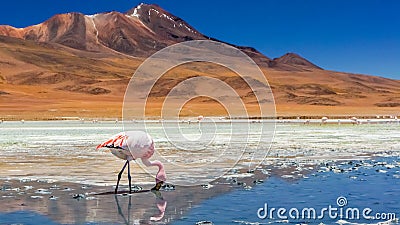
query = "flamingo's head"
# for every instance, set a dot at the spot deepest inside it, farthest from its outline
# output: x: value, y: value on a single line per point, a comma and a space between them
x: 161, y: 176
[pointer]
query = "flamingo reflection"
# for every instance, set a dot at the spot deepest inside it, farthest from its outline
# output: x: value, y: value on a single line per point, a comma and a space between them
x: 161, y: 205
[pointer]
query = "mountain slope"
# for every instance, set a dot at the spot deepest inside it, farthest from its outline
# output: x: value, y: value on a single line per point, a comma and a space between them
x: 80, y: 65
x: 140, y: 32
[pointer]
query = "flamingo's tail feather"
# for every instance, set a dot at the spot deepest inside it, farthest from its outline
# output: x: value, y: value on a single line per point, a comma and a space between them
x: 118, y: 141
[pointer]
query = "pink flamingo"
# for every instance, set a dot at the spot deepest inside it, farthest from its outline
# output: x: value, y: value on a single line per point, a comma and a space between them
x: 132, y: 145
x: 324, y: 119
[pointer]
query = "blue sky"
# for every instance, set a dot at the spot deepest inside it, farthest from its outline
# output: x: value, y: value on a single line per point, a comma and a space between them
x: 359, y: 36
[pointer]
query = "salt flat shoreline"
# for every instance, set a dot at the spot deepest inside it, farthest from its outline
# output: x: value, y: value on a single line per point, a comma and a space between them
x: 299, y: 120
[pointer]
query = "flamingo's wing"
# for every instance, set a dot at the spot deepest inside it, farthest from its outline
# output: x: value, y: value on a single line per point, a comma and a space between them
x: 117, y: 141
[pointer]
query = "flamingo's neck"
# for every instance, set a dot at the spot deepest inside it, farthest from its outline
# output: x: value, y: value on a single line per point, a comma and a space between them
x: 161, y: 176
x: 158, y: 164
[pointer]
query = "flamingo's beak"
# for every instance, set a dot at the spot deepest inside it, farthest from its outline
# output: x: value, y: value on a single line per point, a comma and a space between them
x: 158, y: 185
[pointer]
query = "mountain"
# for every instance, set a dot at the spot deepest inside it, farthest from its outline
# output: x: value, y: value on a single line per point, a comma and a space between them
x: 292, y: 62
x: 70, y: 63
x: 139, y: 32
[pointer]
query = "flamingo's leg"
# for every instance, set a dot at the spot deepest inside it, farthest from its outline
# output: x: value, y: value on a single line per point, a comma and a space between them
x: 129, y: 178
x: 119, y: 176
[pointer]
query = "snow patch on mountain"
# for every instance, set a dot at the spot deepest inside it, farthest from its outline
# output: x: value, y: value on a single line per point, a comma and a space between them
x: 92, y: 16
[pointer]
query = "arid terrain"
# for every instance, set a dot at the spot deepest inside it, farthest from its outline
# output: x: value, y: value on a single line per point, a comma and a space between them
x: 76, y: 65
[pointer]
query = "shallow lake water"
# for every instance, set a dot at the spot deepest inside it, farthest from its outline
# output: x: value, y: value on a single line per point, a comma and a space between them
x: 49, y: 172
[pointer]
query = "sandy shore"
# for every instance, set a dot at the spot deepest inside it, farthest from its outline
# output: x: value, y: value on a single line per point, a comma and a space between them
x: 111, y: 108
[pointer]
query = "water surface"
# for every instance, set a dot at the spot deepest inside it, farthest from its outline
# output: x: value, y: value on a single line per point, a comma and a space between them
x: 307, y: 166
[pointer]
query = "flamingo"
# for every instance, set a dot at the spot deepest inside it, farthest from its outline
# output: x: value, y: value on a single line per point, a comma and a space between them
x: 324, y: 120
x: 132, y: 145
x: 354, y: 120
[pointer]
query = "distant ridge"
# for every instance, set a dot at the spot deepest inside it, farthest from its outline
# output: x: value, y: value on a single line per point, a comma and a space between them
x: 291, y: 61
